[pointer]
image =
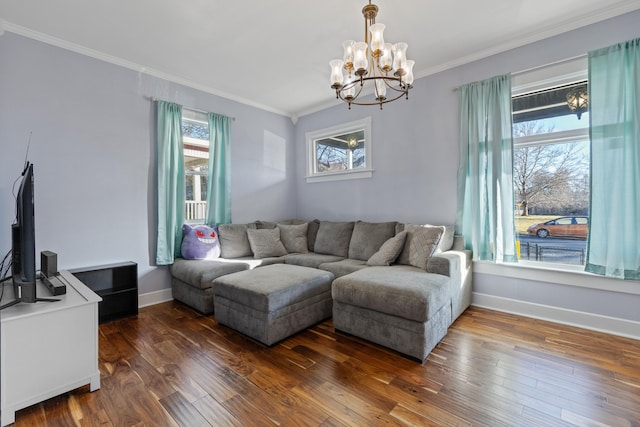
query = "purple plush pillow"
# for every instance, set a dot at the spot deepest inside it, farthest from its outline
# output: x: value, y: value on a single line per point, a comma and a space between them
x: 200, y: 242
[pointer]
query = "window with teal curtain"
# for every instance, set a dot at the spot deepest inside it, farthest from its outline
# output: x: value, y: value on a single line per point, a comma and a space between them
x: 170, y: 170
x: 485, y: 170
x: 613, y: 247
x: 219, y: 189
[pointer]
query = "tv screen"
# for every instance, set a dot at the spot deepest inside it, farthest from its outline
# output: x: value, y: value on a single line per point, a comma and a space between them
x: 24, y: 241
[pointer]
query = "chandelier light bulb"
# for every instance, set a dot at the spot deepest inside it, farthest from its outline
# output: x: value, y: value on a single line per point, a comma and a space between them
x: 336, y: 73
x: 348, y: 54
x: 381, y: 90
x: 400, y: 58
x: 360, y: 62
x: 377, y: 39
x: 386, y: 59
x: 408, y: 77
x: 349, y: 91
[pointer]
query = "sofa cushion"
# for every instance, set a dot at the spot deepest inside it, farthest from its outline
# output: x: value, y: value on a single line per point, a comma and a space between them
x: 367, y: 237
x: 343, y: 267
x: 201, y: 273
x: 402, y: 291
x: 265, y: 224
x: 312, y: 230
x: 266, y: 242
x: 420, y: 244
x: 333, y: 238
x: 234, y: 242
x: 294, y: 237
x: 310, y: 259
x: 389, y: 250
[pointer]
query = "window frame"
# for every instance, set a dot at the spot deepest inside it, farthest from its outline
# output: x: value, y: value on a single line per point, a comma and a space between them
x: 557, y: 74
x: 194, y: 116
x: 313, y: 136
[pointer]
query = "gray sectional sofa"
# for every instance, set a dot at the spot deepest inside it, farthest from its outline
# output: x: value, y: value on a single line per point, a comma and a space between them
x: 398, y: 285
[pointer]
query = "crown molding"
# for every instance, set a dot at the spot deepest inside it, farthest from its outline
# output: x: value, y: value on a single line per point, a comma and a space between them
x: 543, y: 33
x: 82, y: 50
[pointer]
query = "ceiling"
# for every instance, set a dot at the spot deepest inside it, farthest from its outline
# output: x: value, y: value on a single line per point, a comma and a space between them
x: 274, y: 54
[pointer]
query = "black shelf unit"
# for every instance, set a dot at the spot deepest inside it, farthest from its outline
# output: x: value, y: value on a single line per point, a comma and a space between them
x: 117, y: 284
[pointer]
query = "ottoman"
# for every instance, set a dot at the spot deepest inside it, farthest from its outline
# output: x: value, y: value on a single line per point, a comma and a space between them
x: 400, y: 307
x: 273, y: 302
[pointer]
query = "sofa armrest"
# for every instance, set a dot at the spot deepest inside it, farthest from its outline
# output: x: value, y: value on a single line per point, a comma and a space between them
x: 449, y: 263
x: 457, y: 265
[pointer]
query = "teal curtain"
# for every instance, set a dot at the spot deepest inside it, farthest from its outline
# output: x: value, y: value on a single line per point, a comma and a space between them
x: 219, y: 188
x: 485, y: 170
x: 613, y: 248
x: 170, y: 169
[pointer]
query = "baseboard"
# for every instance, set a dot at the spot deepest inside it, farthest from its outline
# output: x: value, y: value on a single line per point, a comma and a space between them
x: 581, y: 319
x: 156, y: 297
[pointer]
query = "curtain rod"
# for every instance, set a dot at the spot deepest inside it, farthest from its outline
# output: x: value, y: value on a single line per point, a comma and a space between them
x: 153, y: 99
x: 540, y: 67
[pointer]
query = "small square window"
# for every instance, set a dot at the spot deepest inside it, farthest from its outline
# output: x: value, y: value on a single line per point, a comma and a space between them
x: 340, y: 152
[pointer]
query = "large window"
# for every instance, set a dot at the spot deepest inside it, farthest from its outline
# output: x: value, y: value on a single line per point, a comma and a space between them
x: 195, y: 138
x: 551, y: 166
x: 340, y: 152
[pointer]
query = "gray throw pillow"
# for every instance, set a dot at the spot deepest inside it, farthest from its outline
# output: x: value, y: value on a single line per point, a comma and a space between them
x: 421, y: 244
x: 234, y: 242
x: 368, y: 237
x: 266, y: 242
x: 389, y: 250
x: 294, y: 237
x: 333, y: 238
x: 446, y: 242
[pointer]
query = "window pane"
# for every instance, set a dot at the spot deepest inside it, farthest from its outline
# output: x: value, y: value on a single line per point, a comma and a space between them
x: 188, y: 187
x: 204, y: 182
x: 341, y: 152
x: 551, y: 185
x: 196, y: 164
x: 551, y: 175
x: 195, y: 129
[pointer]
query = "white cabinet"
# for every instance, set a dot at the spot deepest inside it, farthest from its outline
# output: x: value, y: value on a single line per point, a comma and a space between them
x: 48, y: 348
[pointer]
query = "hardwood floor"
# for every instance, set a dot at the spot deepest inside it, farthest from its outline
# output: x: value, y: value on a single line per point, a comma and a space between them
x: 172, y: 366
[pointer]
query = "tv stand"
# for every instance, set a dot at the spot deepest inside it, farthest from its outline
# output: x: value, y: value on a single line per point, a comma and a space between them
x: 17, y: 301
x: 54, y: 346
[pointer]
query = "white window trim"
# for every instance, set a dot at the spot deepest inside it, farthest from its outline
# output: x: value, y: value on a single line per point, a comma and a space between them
x: 563, y: 274
x: 312, y: 173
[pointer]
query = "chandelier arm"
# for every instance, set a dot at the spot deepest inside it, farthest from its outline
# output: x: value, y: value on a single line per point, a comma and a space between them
x: 355, y: 101
x: 388, y: 79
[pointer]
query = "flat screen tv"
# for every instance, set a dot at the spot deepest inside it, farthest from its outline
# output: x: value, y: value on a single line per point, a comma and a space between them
x: 23, y: 243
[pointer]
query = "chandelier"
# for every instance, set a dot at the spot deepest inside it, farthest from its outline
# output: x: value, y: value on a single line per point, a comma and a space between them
x: 372, y: 66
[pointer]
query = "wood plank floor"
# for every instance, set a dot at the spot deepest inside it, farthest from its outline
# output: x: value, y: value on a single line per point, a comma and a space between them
x: 171, y: 366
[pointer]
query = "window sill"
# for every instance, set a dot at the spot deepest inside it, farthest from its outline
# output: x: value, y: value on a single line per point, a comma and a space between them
x: 340, y: 176
x: 553, y: 273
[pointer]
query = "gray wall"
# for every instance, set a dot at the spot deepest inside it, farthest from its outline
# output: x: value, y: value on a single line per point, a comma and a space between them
x: 415, y: 161
x: 93, y: 152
